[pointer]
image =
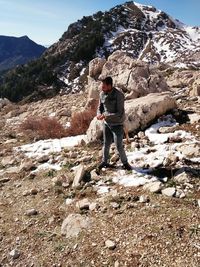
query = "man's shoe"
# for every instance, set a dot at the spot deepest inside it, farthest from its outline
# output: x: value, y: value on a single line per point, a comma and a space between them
x: 127, y: 166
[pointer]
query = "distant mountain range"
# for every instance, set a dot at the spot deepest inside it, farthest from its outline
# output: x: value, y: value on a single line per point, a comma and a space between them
x: 18, y: 50
x: 143, y: 32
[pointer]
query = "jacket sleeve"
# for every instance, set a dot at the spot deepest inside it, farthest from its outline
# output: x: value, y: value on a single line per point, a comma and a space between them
x: 119, y: 114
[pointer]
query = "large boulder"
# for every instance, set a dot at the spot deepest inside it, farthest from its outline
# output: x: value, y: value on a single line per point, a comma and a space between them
x: 95, y: 67
x: 139, y: 113
x: 133, y: 76
x: 136, y: 78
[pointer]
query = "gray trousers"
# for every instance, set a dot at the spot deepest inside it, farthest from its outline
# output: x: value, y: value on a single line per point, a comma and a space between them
x: 110, y: 134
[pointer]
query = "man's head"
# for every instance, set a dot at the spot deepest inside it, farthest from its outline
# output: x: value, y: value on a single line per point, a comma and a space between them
x: 107, y: 84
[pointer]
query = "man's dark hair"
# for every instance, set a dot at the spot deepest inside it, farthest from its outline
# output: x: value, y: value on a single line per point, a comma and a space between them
x: 108, y: 80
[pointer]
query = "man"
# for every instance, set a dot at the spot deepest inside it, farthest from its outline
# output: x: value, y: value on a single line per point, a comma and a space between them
x: 111, y: 111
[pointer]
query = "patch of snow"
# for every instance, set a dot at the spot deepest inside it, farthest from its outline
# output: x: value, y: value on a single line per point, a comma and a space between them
x: 45, y: 147
x: 133, y: 179
x: 103, y: 189
x: 193, y: 32
x: 47, y: 166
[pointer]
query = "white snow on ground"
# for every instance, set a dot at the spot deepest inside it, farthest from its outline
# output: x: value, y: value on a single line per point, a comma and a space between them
x: 45, y: 147
x: 153, y: 156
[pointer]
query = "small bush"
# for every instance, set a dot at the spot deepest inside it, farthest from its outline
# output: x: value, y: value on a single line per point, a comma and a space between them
x: 43, y: 128
x: 80, y: 121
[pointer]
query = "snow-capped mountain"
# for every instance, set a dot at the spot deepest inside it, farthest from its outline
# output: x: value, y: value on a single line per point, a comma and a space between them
x: 143, y: 32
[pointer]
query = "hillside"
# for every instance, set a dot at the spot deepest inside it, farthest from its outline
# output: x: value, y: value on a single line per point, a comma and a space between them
x: 143, y: 32
x: 17, y: 51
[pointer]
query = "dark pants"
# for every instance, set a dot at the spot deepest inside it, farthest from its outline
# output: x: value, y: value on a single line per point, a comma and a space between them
x: 110, y: 134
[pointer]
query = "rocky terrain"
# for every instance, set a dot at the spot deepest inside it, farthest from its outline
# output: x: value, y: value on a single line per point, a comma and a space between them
x: 55, y: 209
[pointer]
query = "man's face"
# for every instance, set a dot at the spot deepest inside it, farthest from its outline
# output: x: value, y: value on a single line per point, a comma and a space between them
x: 106, y: 87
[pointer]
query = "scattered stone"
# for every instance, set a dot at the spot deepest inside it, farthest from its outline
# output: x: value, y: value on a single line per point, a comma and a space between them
x: 169, y: 191
x: 115, y: 205
x: 8, y: 160
x: 144, y: 199
x: 27, y: 165
x: 94, y: 176
x: 83, y: 204
x: 69, y: 201
x: 153, y: 187
x: 31, y: 212
x: 194, y: 118
x: 33, y: 191
x: 93, y: 206
x: 180, y: 193
x: 79, y: 173
x: 190, y: 151
x: 181, y: 177
x: 43, y: 159
x: 110, y: 244
x: 198, y: 202
x: 74, y: 224
x: 116, y: 264
x: 14, y: 254
x: 172, y: 159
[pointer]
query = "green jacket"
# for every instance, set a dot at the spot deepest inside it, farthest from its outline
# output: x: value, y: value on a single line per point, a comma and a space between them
x: 112, y: 106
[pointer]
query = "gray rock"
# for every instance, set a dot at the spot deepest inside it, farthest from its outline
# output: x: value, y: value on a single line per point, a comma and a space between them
x: 154, y: 187
x: 74, y: 224
x: 94, y: 175
x: 169, y: 191
x: 14, y: 253
x: 93, y: 206
x: 8, y: 160
x: 198, y: 202
x: 181, y: 177
x: 180, y: 193
x: 27, y: 165
x: 83, y: 204
x: 110, y: 244
x: 79, y: 173
x: 143, y: 199
x: 31, y: 212
x: 43, y: 159
x: 114, y: 205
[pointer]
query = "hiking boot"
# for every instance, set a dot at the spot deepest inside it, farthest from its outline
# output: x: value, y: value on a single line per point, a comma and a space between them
x: 127, y: 166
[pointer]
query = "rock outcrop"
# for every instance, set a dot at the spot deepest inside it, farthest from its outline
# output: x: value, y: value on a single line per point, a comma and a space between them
x: 135, y: 78
x: 139, y: 113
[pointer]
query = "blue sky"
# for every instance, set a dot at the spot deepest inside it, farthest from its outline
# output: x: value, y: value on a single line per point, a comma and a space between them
x: 44, y: 21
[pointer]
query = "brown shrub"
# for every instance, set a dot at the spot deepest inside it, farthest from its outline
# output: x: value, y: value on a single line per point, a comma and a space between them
x: 43, y: 128
x: 80, y: 121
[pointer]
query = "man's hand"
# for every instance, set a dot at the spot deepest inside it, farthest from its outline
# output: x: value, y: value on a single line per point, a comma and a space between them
x: 100, y: 117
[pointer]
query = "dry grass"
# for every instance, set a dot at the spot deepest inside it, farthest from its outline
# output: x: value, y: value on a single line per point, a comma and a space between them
x: 43, y: 128
x: 80, y: 121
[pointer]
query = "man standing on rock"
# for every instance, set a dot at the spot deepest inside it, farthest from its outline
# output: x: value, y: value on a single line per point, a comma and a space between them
x: 111, y: 111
